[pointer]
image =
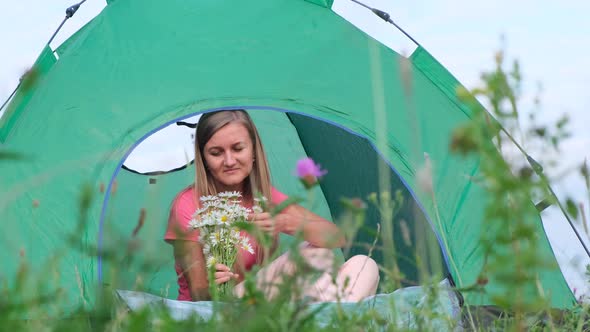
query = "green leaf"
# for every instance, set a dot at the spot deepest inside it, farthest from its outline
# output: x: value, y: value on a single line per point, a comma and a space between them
x: 571, y: 208
x: 245, y: 226
x: 291, y: 200
x: 540, y: 131
x: 562, y: 122
x: 584, y: 170
x: 355, y: 205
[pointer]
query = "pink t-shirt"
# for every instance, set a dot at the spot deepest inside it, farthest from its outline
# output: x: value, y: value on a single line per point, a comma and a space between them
x: 181, y: 213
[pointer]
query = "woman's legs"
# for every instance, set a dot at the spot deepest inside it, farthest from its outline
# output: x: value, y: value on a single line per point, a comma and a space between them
x: 356, y: 279
x: 270, y: 277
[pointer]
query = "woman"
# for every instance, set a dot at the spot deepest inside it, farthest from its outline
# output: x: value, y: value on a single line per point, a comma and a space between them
x: 229, y: 156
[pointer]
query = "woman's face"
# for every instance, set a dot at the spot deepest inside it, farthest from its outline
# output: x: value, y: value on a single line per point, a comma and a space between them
x: 229, y: 156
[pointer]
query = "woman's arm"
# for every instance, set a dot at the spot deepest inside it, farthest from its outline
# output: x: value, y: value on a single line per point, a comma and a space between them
x: 189, y: 255
x: 316, y: 230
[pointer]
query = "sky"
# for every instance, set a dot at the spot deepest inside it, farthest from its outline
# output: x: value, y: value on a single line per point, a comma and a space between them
x: 550, y: 39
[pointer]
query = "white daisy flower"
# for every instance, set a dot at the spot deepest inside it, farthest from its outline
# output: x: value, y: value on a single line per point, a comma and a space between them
x: 215, y: 221
x: 208, y: 198
x: 260, y: 199
x: 235, y: 234
x: 244, y: 240
x: 201, y: 211
x: 230, y: 194
x: 215, y: 238
x: 247, y: 247
x: 194, y: 223
x: 225, y: 219
x: 211, y: 261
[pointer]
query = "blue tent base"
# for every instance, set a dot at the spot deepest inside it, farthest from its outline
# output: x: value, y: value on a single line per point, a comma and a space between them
x: 406, y: 308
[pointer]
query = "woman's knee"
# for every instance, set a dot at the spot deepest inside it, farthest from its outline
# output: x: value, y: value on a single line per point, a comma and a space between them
x: 365, y: 264
x: 358, y: 278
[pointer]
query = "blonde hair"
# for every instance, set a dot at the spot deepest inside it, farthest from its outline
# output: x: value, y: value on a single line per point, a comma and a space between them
x: 258, y: 181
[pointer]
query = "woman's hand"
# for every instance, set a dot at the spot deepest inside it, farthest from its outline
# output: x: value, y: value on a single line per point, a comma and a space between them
x: 294, y: 218
x: 265, y: 222
x: 316, y: 230
x: 223, y: 274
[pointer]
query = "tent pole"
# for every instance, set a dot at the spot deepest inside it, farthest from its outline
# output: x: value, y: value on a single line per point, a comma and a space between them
x: 538, y: 169
x: 56, y: 31
x: 70, y: 11
x: 387, y: 18
x: 564, y: 212
x: 11, y: 95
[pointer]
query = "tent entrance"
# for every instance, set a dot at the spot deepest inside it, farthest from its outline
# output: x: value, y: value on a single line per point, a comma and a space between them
x: 353, y: 166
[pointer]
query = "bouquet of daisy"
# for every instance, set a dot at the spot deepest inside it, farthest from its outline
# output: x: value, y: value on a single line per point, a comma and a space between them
x: 217, y: 221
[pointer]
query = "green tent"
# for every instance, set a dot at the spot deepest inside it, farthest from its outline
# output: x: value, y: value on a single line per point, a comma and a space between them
x: 315, y: 85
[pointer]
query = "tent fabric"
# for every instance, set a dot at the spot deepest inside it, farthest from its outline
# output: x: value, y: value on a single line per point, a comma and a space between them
x: 439, y: 75
x: 360, y: 179
x: 142, y: 64
x: 36, y: 74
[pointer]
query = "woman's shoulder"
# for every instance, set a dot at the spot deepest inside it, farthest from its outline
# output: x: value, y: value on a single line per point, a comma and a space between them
x: 185, y: 196
x: 277, y: 197
x: 181, y: 212
x: 185, y: 201
x: 186, y: 193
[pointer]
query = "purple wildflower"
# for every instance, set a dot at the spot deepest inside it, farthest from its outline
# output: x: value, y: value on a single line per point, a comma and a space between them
x: 309, y: 172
